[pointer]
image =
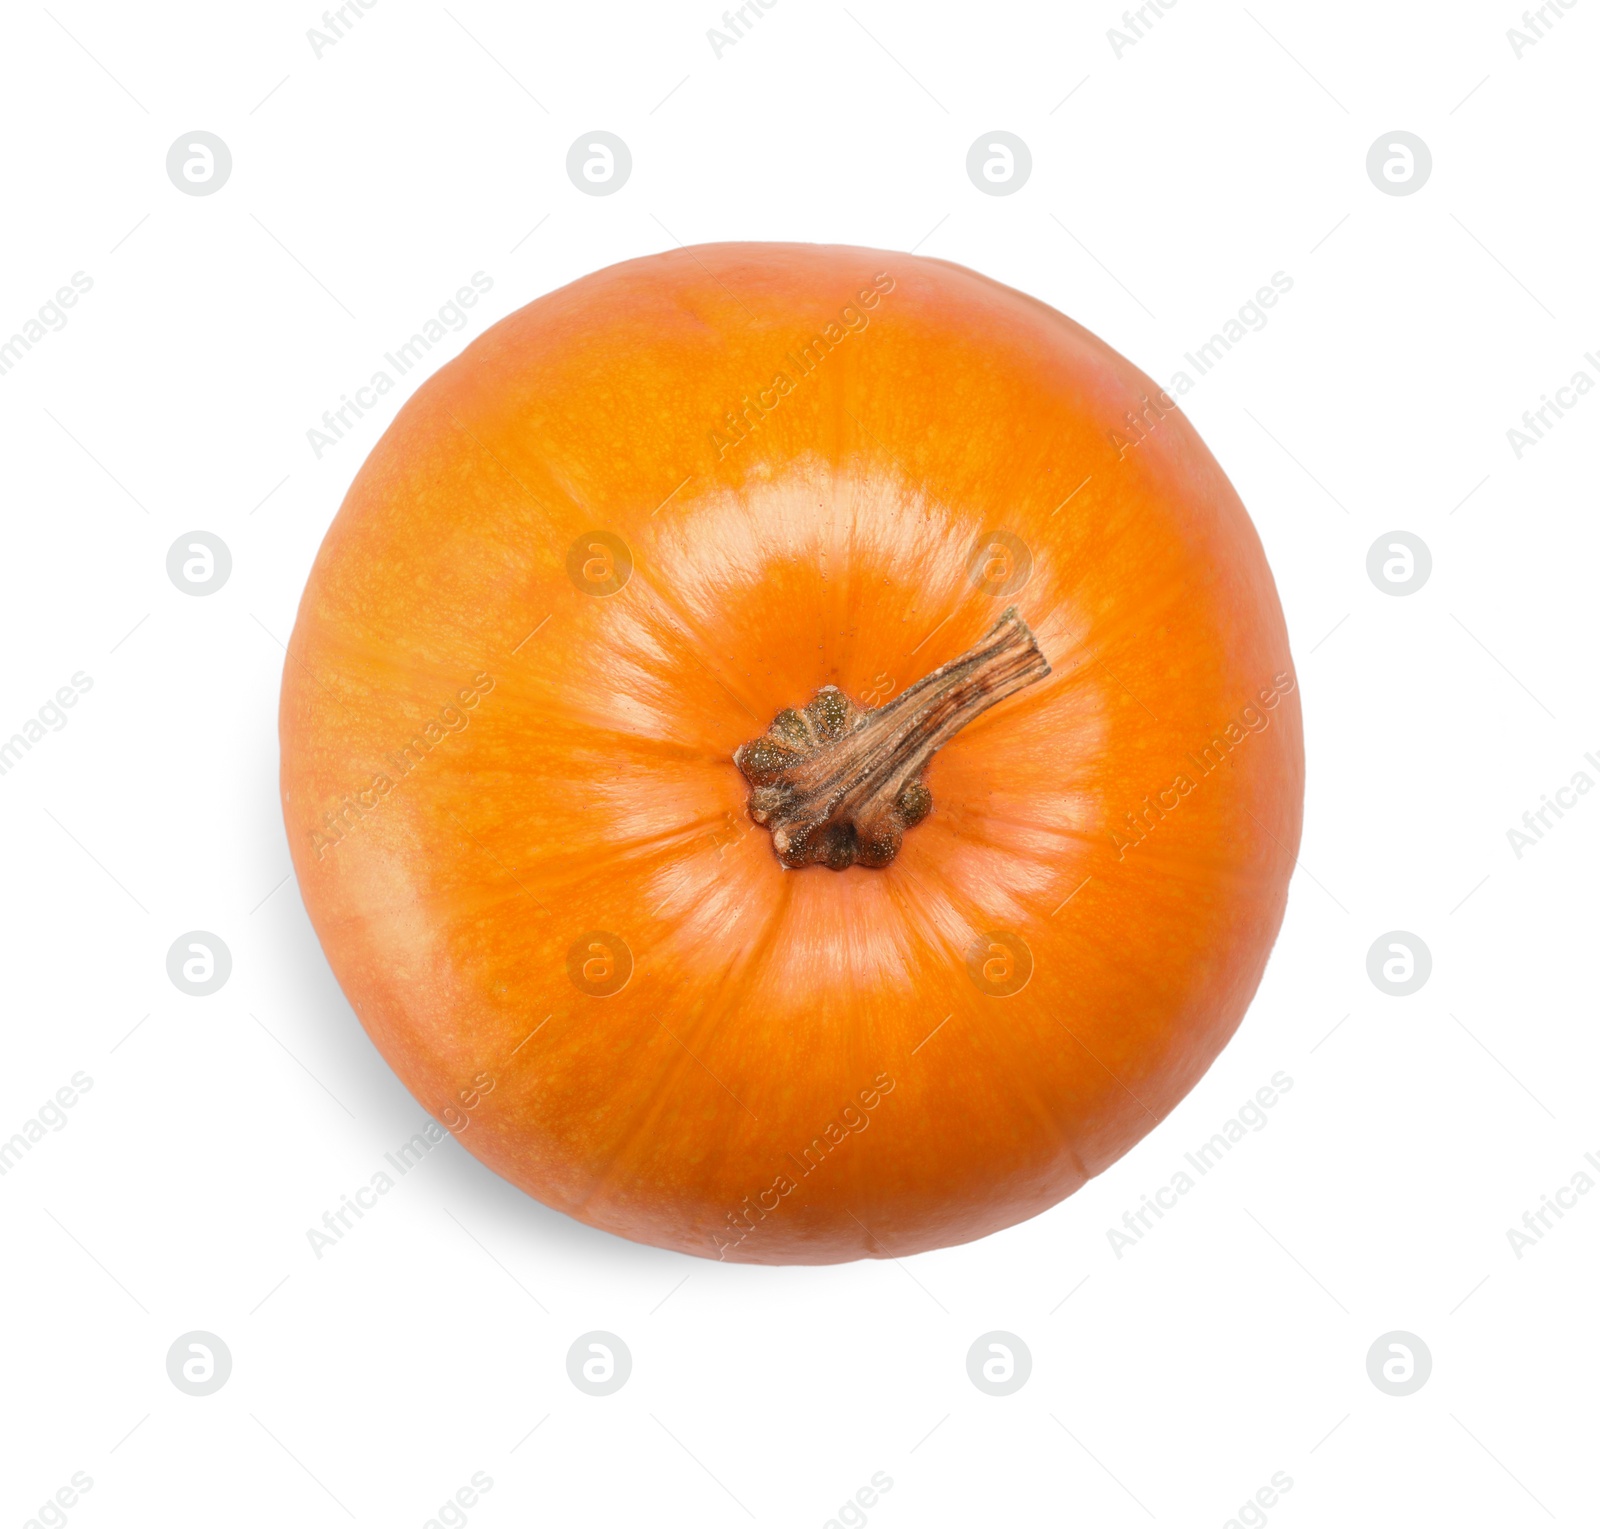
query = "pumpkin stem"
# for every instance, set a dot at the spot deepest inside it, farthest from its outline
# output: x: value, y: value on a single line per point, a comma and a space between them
x: 839, y: 786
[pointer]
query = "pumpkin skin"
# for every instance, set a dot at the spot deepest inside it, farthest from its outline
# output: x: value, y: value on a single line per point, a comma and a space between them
x: 491, y: 767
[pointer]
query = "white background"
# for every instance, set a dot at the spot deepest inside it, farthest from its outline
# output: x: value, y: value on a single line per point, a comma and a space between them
x: 1168, y: 184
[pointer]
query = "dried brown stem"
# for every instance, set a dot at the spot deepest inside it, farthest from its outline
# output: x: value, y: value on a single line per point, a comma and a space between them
x: 839, y: 786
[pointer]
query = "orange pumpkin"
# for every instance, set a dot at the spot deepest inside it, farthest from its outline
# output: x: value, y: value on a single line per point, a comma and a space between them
x: 792, y: 752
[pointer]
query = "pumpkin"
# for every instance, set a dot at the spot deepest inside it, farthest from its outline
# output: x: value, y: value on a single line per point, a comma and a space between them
x: 792, y: 752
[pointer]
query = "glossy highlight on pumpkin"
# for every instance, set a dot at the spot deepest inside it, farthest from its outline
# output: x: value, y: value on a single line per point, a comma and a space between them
x: 596, y: 556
